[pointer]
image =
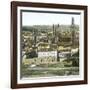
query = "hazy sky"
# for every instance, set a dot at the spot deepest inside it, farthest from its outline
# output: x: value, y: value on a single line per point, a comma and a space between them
x: 29, y: 18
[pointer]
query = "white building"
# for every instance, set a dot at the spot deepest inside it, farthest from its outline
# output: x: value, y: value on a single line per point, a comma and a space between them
x: 47, y: 54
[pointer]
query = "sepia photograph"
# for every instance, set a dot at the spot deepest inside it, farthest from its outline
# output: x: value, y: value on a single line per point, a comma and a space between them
x: 49, y: 44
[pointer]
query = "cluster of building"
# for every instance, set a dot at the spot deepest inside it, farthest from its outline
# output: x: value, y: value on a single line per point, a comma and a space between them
x: 49, y: 47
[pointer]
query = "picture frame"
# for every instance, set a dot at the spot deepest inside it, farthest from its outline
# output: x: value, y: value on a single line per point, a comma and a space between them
x: 32, y: 20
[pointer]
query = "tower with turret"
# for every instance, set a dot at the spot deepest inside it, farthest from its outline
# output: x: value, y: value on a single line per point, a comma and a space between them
x: 73, y: 32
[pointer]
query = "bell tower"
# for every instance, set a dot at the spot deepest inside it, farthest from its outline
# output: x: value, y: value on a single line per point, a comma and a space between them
x: 73, y: 32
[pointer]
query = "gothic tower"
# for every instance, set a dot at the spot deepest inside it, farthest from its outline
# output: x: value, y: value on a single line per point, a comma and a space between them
x: 73, y: 32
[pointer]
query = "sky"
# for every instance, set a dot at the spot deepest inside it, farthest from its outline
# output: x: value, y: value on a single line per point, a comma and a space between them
x: 33, y: 18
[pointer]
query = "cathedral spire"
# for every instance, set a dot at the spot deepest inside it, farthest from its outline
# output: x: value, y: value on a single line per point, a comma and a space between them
x: 72, y: 21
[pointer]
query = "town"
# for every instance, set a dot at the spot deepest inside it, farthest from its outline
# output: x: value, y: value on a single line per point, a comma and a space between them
x: 50, y: 46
